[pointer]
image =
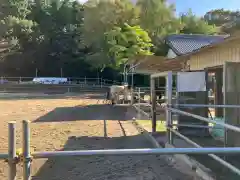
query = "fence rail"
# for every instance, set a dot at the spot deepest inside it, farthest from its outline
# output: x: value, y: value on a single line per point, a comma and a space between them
x: 27, y: 156
x: 172, y: 108
x: 171, y: 130
x: 71, y: 80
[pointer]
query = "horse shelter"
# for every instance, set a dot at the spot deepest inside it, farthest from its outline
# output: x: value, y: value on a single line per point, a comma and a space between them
x: 207, y: 92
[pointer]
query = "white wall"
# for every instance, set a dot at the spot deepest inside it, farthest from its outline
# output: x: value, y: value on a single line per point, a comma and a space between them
x: 171, y: 54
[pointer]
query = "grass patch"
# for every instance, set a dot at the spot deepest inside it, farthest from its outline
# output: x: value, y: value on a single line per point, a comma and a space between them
x: 147, y: 124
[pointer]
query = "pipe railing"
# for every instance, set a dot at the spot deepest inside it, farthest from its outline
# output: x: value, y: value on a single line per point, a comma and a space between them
x: 170, y: 126
x: 11, y: 157
x: 148, y: 151
x: 225, y: 125
x: 213, y: 156
x: 71, y: 80
x: 29, y: 156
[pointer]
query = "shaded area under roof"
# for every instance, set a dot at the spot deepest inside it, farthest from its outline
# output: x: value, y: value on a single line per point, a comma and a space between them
x: 186, y: 43
x: 155, y: 64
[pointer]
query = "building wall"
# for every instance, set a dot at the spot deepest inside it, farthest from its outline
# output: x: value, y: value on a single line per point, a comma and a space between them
x: 216, y: 56
x: 171, y: 54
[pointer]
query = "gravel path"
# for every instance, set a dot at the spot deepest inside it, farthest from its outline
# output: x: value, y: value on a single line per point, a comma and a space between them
x: 83, y: 124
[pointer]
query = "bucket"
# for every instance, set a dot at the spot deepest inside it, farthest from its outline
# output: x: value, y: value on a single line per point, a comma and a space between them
x: 217, y: 131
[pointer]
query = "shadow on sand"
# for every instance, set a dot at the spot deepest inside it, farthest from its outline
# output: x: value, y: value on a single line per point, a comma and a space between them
x: 105, y: 167
x: 27, y: 96
x: 88, y: 112
x: 149, y: 167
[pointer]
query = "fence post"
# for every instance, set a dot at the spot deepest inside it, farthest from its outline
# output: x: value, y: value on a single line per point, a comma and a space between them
x: 26, y: 151
x: 139, y: 101
x: 169, y: 102
x: 101, y: 82
x: 85, y: 80
x: 12, y: 150
x: 132, y: 96
x: 153, y: 109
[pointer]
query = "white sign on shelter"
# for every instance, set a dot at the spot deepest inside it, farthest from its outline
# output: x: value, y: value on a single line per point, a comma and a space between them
x: 191, y: 81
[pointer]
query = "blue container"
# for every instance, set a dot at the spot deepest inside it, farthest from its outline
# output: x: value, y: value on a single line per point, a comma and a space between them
x: 217, y: 131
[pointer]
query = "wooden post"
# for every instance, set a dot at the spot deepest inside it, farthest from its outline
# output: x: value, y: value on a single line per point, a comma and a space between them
x: 218, y: 91
x: 231, y: 91
x: 153, y: 101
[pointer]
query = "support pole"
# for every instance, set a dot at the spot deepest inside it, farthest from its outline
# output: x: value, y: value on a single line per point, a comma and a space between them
x: 153, y: 101
x: 12, y: 150
x: 139, y: 101
x: 218, y: 91
x: 132, y: 96
x: 26, y: 151
x: 169, y: 102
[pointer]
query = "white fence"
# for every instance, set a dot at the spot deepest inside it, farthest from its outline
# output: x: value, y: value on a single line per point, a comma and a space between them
x: 70, y: 80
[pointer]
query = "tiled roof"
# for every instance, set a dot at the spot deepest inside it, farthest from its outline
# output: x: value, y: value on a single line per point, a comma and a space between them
x: 186, y: 43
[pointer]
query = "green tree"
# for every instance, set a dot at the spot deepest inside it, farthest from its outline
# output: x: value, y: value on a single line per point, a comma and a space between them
x: 219, y: 17
x: 15, y: 27
x: 158, y: 18
x: 127, y: 42
x: 99, y: 18
x: 227, y: 21
x: 195, y: 25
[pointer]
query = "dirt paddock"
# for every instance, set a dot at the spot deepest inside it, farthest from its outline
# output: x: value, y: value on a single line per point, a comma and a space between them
x: 82, y: 122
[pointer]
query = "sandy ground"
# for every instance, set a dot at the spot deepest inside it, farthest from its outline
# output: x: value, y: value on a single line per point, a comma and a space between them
x: 82, y: 123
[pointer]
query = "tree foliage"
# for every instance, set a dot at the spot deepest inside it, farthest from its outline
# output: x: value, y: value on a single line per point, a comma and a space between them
x: 99, y: 18
x: 195, y: 25
x: 158, y: 18
x: 227, y: 21
x: 219, y: 17
x: 50, y: 35
x: 127, y: 42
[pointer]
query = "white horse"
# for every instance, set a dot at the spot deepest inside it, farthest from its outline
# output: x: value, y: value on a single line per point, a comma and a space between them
x: 116, y: 91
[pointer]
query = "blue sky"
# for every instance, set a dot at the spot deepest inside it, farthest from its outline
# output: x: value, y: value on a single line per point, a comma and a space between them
x: 200, y: 7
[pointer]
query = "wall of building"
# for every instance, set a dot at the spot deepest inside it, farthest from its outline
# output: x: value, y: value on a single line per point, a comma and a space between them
x: 171, y: 54
x: 216, y: 56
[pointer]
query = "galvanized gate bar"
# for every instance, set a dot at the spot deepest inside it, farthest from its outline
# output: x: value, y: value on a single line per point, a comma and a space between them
x: 160, y: 151
x: 3, y: 156
x: 207, y: 105
x: 213, y: 156
x: 26, y: 151
x: 12, y: 150
x: 169, y: 86
x: 227, y: 126
x: 201, y: 150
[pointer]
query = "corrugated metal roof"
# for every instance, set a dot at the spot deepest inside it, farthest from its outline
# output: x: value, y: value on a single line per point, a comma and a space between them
x: 187, y: 43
